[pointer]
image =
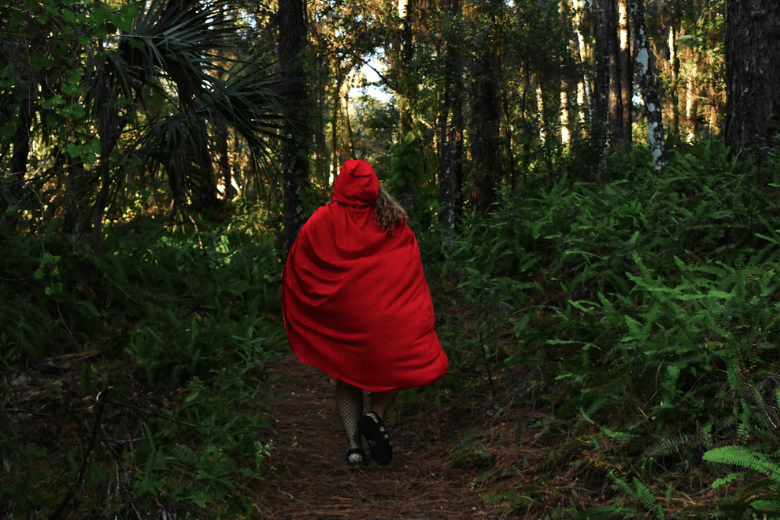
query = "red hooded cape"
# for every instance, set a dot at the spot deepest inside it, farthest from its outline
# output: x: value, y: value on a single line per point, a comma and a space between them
x: 354, y: 297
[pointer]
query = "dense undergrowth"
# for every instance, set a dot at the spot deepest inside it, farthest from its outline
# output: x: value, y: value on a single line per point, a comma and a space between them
x: 646, y: 315
x: 640, y: 317
x: 133, y: 379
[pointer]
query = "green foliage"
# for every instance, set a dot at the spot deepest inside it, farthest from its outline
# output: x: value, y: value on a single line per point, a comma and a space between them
x: 764, y: 493
x: 179, y: 325
x: 648, y: 305
x: 406, y: 165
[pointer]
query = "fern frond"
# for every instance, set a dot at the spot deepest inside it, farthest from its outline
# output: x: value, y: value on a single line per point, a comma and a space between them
x: 745, y: 457
x: 725, y: 480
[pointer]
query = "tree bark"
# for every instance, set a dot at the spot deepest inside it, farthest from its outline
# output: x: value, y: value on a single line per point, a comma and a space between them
x: 334, y: 134
x: 674, y: 59
x: 486, y: 126
x: 110, y: 125
x: 585, y: 98
x: 406, y: 86
x: 485, y: 104
x: 626, y: 69
x: 320, y: 145
x: 565, y: 122
x: 752, y: 73
x: 615, y: 79
x: 600, y: 112
x: 291, y: 19
x: 655, y: 125
x: 451, y: 134
x: 223, y: 159
x: 21, y: 140
x: 406, y: 56
x: 25, y: 89
x: 77, y: 185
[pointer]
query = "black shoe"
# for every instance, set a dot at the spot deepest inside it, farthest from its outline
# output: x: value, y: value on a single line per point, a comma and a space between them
x: 373, y: 429
x: 357, y: 451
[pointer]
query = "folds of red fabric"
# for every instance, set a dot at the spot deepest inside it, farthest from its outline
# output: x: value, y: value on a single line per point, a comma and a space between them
x: 355, y: 301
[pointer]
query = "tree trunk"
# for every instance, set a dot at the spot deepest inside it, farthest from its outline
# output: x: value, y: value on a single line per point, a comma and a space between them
x: 77, y: 185
x: 486, y: 125
x: 674, y: 60
x: 320, y: 145
x: 451, y: 135
x: 295, y: 163
x: 334, y: 134
x: 406, y: 56
x: 752, y: 73
x: 585, y: 98
x: 655, y: 125
x: 541, y: 115
x: 344, y: 101
x: 485, y: 104
x: 600, y: 112
x: 223, y: 158
x: 565, y: 124
x: 406, y: 86
x: 21, y: 141
x: 626, y: 70
x: 110, y: 125
x: 615, y: 80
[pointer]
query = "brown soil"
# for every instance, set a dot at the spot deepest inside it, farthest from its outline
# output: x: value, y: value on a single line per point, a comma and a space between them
x: 312, y: 479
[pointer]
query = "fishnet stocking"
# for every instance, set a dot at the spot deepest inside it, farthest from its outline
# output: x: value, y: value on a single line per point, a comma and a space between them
x: 349, y: 403
x: 381, y: 401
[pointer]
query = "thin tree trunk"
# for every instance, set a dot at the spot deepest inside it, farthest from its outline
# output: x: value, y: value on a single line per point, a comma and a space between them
x: 486, y: 124
x: 655, y: 125
x: 77, y: 184
x: 485, y: 101
x: 752, y: 73
x: 334, y: 137
x: 582, y: 51
x: 565, y: 131
x: 21, y: 141
x: 320, y: 143
x: 407, y: 54
x: 674, y: 61
x: 223, y: 159
x: 291, y: 42
x: 110, y: 125
x: 626, y: 69
x: 344, y: 99
x: 600, y: 112
x: 615, y: 80
x: 508, y: 136
x: 451, y: 135
x: 692, y: 100
x: 406, y: 88
x: 540, y: 115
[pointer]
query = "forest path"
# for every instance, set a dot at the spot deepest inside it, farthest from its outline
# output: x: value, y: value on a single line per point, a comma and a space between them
x: 312, y: 479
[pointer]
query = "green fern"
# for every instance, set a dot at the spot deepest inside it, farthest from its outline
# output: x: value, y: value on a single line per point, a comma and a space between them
x: 747, y: 458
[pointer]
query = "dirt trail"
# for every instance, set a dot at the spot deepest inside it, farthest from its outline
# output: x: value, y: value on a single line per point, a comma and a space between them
x: 312, y: 480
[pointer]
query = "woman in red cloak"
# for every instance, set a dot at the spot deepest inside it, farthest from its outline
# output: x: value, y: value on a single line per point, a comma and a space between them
x: 356, y: 305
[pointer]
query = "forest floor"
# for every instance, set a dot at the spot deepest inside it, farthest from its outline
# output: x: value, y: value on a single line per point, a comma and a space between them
x: 436, y: 461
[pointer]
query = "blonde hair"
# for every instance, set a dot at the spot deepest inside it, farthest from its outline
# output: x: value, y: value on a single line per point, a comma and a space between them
x: 387, y: 211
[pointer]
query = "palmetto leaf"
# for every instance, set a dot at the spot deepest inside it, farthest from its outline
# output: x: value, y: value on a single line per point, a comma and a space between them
x: 179, y: 66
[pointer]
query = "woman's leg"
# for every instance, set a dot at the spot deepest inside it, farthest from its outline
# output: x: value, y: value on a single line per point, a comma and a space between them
x: 349, y: 403
x: 372, y: 427
x: 381, y: 401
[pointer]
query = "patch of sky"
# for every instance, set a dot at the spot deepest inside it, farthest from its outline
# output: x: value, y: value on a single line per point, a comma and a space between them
x: 372, y: 85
